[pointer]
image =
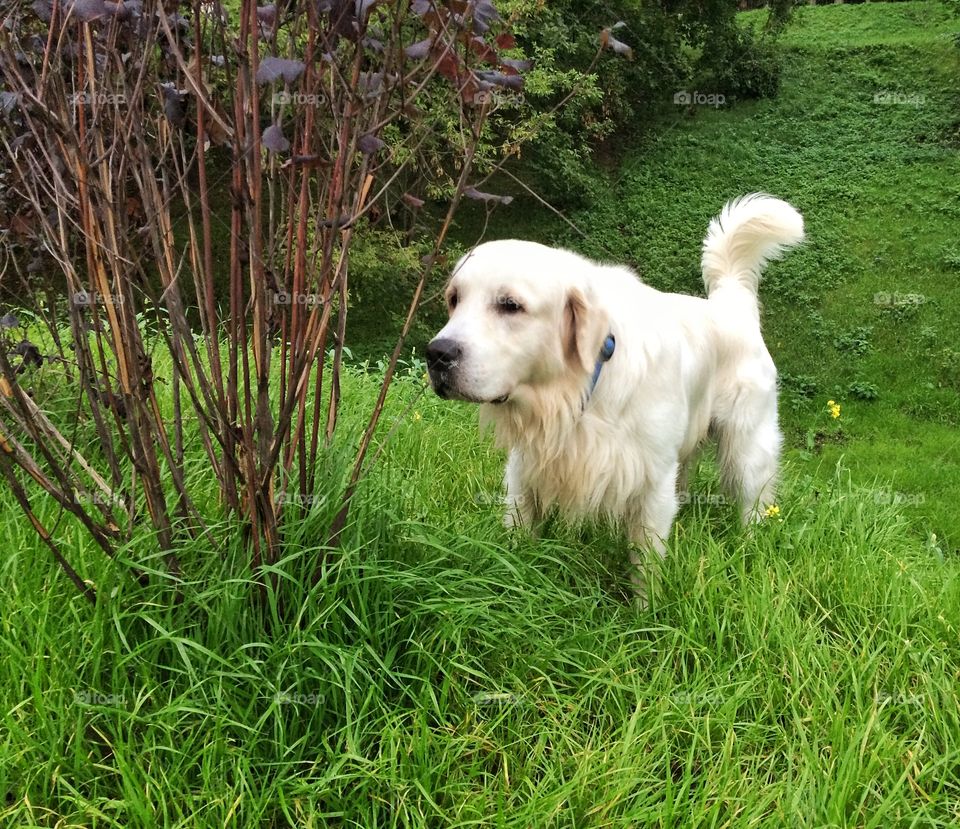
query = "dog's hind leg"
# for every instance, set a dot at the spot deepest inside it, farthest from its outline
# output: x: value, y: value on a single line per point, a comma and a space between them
x: 683, y: 481
x: 685, y: 470
x: 648, y: 529
x: 749, y: 451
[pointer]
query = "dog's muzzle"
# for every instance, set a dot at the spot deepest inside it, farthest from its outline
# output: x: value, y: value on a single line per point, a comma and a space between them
x: 443, y: 357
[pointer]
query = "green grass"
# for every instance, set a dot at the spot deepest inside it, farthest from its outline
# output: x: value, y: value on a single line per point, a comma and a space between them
x: 446, y: 673
x: 443, y: 672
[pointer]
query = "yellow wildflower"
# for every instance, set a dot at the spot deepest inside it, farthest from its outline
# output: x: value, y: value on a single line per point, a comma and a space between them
x: 417, y: 416
x: 834, y: 408
x: 773, y: 511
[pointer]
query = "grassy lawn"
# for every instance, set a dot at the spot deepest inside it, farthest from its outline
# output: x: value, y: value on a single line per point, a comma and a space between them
x: 445, y: 673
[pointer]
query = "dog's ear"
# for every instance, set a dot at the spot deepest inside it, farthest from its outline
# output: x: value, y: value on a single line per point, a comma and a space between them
x: 584, y: 328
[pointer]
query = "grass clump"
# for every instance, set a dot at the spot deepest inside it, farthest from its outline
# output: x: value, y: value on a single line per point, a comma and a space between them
x: 444, y: 672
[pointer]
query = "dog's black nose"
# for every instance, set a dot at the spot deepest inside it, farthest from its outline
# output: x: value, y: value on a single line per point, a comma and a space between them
x: 442, y: 354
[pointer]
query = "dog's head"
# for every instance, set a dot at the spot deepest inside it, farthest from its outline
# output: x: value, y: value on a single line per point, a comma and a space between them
x: 522, y: 315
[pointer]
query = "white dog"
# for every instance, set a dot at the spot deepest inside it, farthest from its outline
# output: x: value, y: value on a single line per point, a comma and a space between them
x: 602, y: 388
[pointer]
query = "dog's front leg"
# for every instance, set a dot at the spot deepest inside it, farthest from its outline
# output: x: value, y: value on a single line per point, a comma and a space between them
x: 648, y: 528
x: 520, y: 503
x: 644, y: 565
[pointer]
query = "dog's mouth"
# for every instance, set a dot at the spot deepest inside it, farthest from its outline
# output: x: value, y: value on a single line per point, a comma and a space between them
x: 446, y: 391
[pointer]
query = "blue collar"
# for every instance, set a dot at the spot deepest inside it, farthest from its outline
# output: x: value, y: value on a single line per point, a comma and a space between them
x: 609, y: 344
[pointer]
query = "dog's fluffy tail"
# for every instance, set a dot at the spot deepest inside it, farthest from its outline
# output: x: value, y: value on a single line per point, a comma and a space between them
x: 748, y: 233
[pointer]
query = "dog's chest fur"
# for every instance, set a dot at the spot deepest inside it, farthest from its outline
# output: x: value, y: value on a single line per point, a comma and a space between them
x: 567, y: 455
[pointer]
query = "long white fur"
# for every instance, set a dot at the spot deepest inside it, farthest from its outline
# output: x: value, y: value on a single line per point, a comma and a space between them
x: 683, y: 367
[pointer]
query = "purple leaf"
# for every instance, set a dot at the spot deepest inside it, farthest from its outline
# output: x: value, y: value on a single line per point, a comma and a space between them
x: 87, y: 10
x: 370, y: 144
x: 267, y: 15
x: 473, y: 193
x: 418, y: 50
x: 518, y: 65
x: 484, y: 13
x: 43, y: 9
x: 421, y: 7
x: 30, y: 353
x: 175, y: 111
x: 178, y: 21
x: 174, y: 104
x: 364, y: 7
x: 372, y: 82
x: 8, y: 101
x: 119, y: 10
x: 274, y: 139
x: 484, y: 50
x: 343, y: 21
x: 500, y: 79
x: 169, y: 90
x: 413, y: 201
x: 9, y: 321
x: 273, y: 69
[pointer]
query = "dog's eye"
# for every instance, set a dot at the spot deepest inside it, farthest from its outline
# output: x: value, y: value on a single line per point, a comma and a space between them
x: 452, y: 300
x: 508, y: 305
